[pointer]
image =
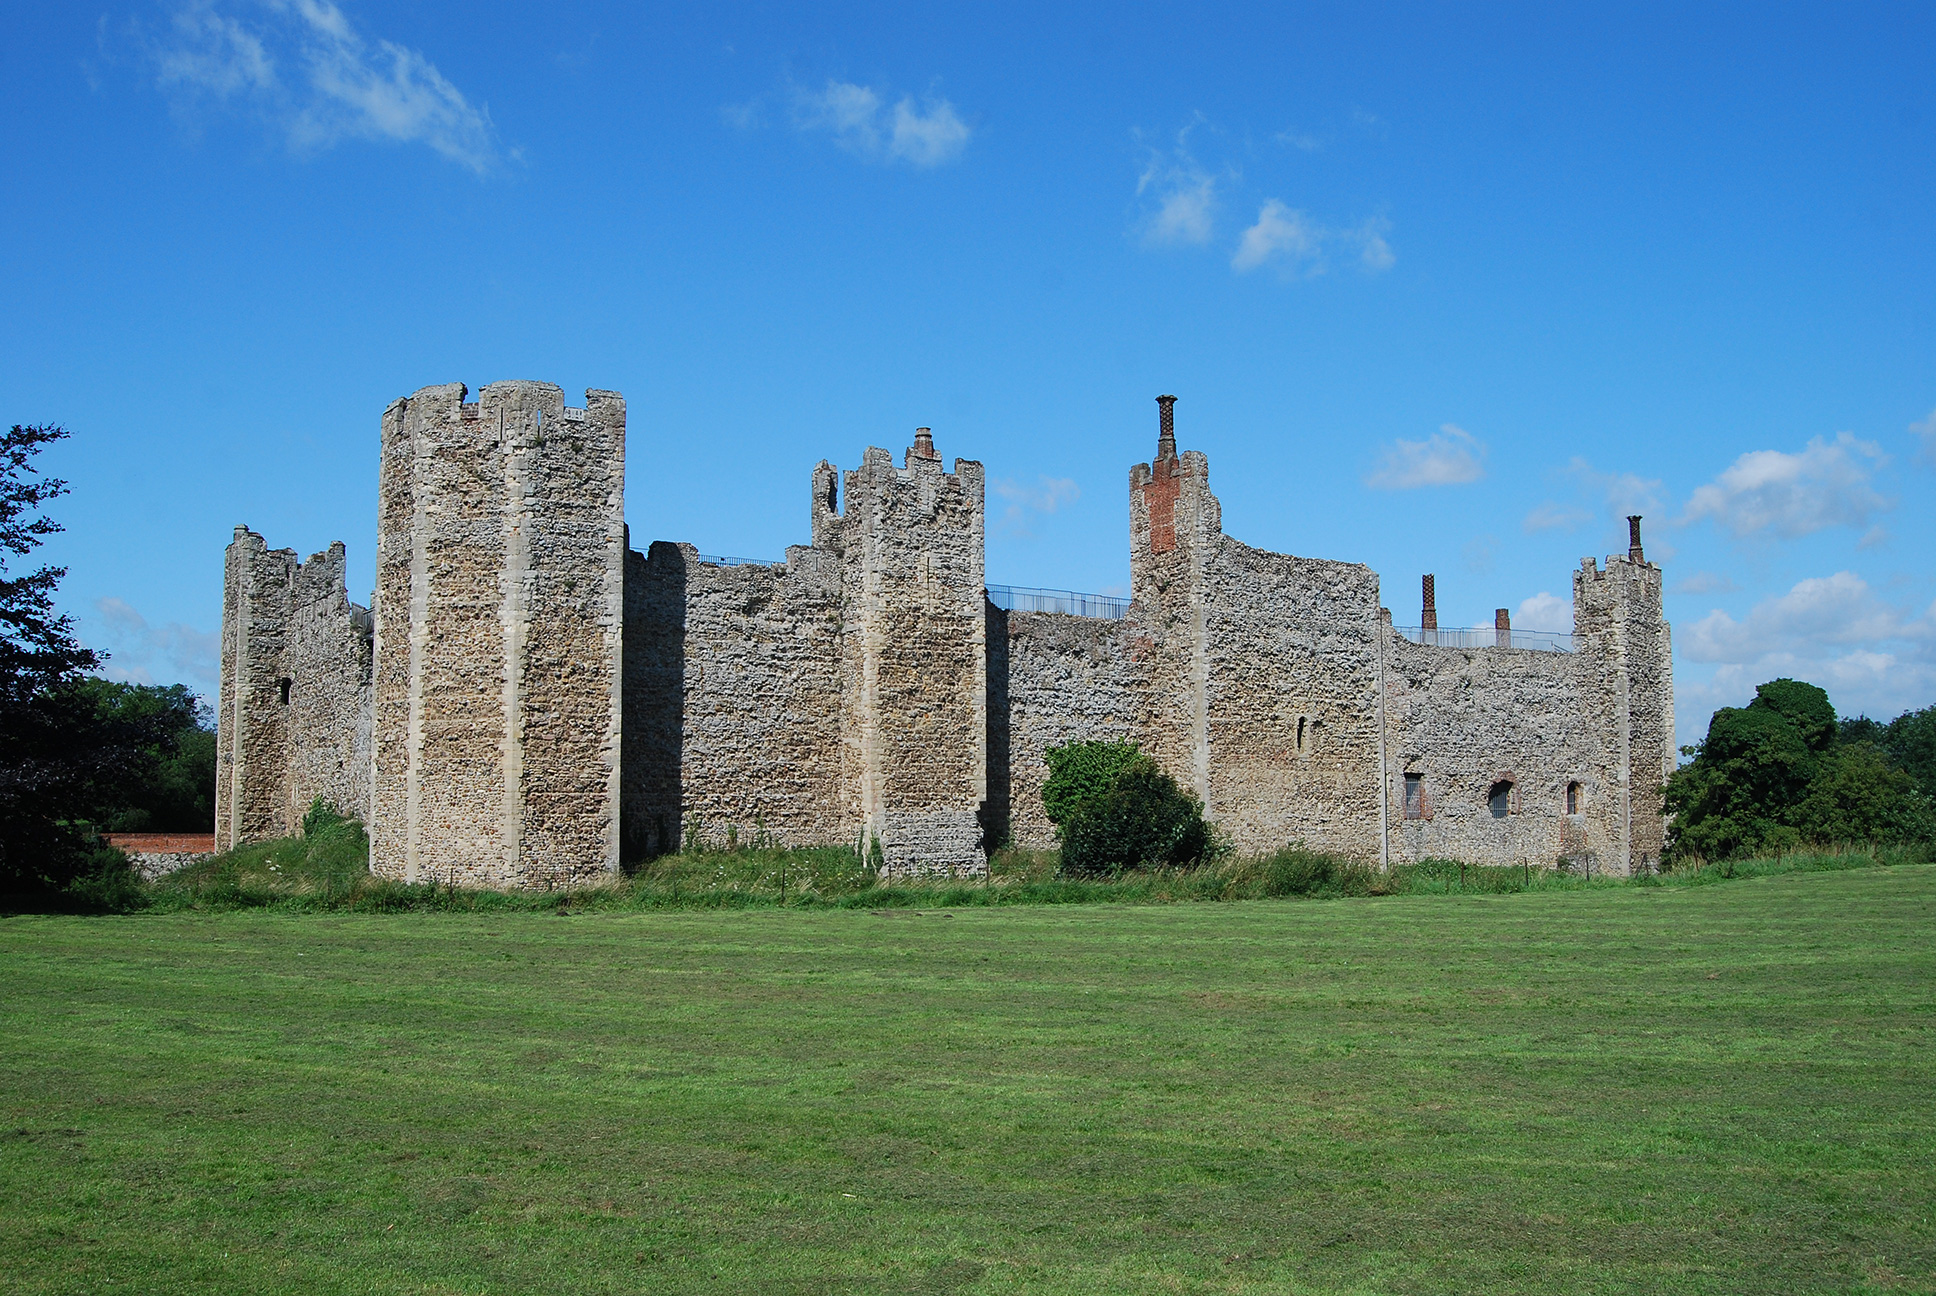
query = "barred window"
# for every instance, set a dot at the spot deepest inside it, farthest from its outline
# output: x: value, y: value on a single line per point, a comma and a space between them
x: 1414, y: 796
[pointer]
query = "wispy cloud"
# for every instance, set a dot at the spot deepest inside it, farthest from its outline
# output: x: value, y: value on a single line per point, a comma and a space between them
x: 1925, y: 431
x: 1303, y: 141
x: 860, y: 120
x: 147, y: 654
x: 1296, y: 246
x: 1183, y: 195
x: 1828, y: 484
x: 303, y: 67
x: 1549, y: 516
x: 1449, y: 457
x: 1026, y: 501
x: 1704, y: 582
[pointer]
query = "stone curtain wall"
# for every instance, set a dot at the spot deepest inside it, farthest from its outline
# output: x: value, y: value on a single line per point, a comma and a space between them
x: 500, y: 599
x: 733, y: 701
x: 1468, y: 719
x: 1292, y: 711
x: 293, y: 706
x: 1054, y: 679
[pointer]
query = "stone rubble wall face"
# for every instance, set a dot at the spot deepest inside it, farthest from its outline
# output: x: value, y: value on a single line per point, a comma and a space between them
x: 284, y: 620
x: 501, y: 580
x: 733, y: 678
x: 1292, y: 709
x: 1055, y: 679
x: 1467, y: 719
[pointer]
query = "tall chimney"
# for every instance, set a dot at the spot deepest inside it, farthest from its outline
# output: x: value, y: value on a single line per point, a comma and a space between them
x: 1633, y: 538
x: 1429, y: 618
x: 1166, y: 428
x: 924, y: 444
x: 1502, y: 628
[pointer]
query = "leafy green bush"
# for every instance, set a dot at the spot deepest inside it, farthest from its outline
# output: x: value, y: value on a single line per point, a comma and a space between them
x: 1081, y: 772
x: 1142, y: 820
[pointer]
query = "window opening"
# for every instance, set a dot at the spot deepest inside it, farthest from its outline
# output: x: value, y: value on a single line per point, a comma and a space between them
x: 284, y: 684
x: 1499, y: 800
x: 1572, y: 798
x: 1414, y: 796
x: 1300, y: 733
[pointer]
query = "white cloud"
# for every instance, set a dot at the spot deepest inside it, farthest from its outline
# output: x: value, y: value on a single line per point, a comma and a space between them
x: 1297, y: 139
x: 1791, y: 495
x: 1184, y: 193
x: 860, y: 121
x: 179, y: 651
x: 1545, y: 611
x: 1835, y: 631
x: 1448, y: 457
x: 1926, y: 433
x: 1296, y: 245
x: 1025, y: 501
x: 1281, y: 236
x: 305, y: 68
x: 1819, y: 611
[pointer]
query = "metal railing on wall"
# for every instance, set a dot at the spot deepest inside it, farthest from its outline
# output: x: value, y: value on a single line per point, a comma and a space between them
x: 719, y: 560
x: 1014, y: 598
x: 1530, y: 640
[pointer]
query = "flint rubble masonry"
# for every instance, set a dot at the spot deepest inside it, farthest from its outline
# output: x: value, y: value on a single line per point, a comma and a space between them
x: 532, y: 700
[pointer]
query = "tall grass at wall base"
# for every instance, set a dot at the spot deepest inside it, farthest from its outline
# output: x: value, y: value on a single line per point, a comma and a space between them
x: 329, y: 871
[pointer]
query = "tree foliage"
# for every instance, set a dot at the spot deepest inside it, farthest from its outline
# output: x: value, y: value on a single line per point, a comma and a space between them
x: 1782, y: 771
x: 1114, y: 809
x: 1080, y: 772
x: 61, y: 757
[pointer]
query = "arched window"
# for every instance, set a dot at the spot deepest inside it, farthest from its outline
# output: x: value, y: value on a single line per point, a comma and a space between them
x: 1500, y: 799
x: 1575, y: 798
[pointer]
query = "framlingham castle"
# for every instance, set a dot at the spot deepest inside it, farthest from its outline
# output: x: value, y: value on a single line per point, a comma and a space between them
x: 529, y: 700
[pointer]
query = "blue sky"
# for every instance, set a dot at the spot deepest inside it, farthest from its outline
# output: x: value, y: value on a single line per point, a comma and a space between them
x: 1439, y: 289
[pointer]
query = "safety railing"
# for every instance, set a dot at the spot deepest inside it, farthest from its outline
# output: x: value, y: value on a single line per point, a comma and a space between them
x: 1014, y: 598
x: 1530, y: 640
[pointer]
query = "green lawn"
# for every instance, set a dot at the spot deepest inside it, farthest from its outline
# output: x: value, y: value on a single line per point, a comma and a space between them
x: 1665, y: 1089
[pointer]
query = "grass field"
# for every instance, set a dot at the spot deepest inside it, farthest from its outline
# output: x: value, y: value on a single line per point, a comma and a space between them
x: 1660, y: 1089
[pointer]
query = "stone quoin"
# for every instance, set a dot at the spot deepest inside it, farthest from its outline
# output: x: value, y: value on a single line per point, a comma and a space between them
x: 529, y: 701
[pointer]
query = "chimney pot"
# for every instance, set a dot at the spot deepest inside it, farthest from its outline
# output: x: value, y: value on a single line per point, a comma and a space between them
x: 1502, y: 628
x: 1429, y: 618
x: 1166, y: 428
x: 1633, y: 539
x: 924, y: 444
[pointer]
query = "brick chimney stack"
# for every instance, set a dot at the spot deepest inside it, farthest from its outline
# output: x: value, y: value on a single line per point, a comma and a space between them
x: 1633, y: 538
x: 1429, y: 618
x: 924, y: 444
x: 1502, y: 628
x: 1166, y: 428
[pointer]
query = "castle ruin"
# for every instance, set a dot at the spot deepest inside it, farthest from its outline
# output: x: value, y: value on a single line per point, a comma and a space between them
x: 530, y: 702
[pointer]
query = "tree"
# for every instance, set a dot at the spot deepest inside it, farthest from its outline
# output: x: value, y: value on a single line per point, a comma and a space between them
x: 177, y: 793
x: 58, y: 755
x: 1782, y: 771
